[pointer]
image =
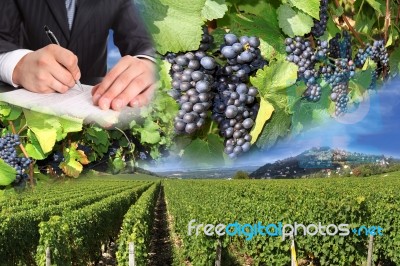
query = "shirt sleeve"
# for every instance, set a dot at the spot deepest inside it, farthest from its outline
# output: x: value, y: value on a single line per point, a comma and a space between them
x: 8, y: 61
x: 141, y: 56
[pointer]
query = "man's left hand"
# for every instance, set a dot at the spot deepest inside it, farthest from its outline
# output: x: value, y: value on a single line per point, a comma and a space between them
x: 131, y: 82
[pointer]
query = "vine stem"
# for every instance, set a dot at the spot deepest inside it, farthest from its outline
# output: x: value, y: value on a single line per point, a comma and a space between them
x: 398, y: 14
x: 24, y: 152
x: 387, y: 20
x: 356, y: 35
x: 129, y: 142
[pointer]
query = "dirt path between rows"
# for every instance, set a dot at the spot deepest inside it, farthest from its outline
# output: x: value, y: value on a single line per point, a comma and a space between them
x: 160, y: 245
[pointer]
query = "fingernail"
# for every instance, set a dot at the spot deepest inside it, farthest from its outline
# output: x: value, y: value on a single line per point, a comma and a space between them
x: 117, y: 105
x: 104, y: 104
x: 96, y: 98
x: 78, y: 76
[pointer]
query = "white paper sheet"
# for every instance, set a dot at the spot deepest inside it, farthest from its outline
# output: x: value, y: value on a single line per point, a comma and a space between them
x: 74, y: 103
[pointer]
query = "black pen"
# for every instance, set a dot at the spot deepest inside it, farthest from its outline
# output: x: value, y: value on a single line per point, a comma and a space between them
x: 54, y: 40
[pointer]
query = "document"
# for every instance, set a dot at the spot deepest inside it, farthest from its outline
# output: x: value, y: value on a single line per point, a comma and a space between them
x: 74, y: 104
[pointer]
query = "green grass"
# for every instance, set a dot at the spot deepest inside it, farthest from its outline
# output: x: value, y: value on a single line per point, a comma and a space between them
x: 121, y: 177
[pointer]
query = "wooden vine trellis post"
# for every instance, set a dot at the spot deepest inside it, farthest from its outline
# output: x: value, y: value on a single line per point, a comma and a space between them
x: 48, y: 257
x: 370, y: 250
x: 218, y: 256
x: 131, y: 254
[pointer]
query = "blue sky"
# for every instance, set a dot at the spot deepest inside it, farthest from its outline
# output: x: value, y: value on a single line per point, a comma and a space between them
x: 373, y: 127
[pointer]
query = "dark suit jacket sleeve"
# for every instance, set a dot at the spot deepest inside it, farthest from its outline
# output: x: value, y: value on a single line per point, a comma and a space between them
x: 130, y: 33
x: 10, y: 23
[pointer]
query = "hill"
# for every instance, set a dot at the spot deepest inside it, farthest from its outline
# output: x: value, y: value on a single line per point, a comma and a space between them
x: 315, y: 160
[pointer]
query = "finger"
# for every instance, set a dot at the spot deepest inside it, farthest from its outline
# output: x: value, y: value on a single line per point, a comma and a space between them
x: 57, y: 86
x: 94, y: 89
x: 131, y: 90
x: 109, y: 79
x: 144, y: 98
x: 44, y: 90
x: 67, y: 59
x: 125, y: 85
x: 95, y: 96
x: 62, y: 75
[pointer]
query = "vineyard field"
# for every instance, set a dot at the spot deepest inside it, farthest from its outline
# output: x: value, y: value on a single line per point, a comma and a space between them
x: 355, y: 201
x: 25, y: 218
x: 76, y: 218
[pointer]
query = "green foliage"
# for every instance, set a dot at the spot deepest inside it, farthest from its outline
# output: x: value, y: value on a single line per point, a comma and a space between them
x: 175, y: 26
x: 294, y: 23
x: 21, y: 214
x: 80, y: 233
x: 7, y: 174
x: 241, y: 175
x: 137, y: 226
x: 354, y: 201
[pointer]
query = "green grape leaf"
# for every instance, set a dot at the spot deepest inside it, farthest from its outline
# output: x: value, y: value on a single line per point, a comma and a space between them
x: 174, y: 25
x: 277, y: 127
x: 71, y: 168
x: 118, y: 165
x: 310, y: 7
x: 164, y: 76
x: 5, y: 109
x: 98, y: 135
x: 339, y: 11
x: 74, y: 161
x: 48, y: 128
x: 273, y: 80
x: 214, y: 9
x: 150, y: 133
x: 365, y: 23
x: 9, y: 112
x: 33, y: 147
x: 294, y: 23
x: 203, y: 152
x: 377, y: 6
x: 7, y: 174
x: 259, y: 8
x: 310, y: 114
x: 264, y: 114
x: 68, y: 125
x: 395, y: 61
x: 361, y: 82
x: 45, y: 128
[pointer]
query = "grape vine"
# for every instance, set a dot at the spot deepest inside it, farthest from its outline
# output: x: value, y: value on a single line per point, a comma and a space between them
x: 9, y: 155
x: 202, y: 80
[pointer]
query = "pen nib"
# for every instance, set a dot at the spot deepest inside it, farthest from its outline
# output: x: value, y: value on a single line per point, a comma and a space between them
x: 79, y: 85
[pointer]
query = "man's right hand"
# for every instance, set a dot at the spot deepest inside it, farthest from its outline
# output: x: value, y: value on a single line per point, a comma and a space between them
x: 50, y: 69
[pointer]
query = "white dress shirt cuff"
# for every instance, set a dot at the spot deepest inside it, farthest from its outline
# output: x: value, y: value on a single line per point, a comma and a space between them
x: 8, y: 61
x: 146, y: 57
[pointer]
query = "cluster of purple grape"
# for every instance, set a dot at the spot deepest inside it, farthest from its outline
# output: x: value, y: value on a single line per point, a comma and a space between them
x: 235, y: 110
x: 319, y: 27
x: 192, y: 87
x: 378, y: 53
x: 242, y: 56
x: 305, y: 57
x: 235, y: 106
x: 8, y: 154
x: 207, y: 40
x: 338, y: 77
x: 340, y: 46
x: 199, y: 83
